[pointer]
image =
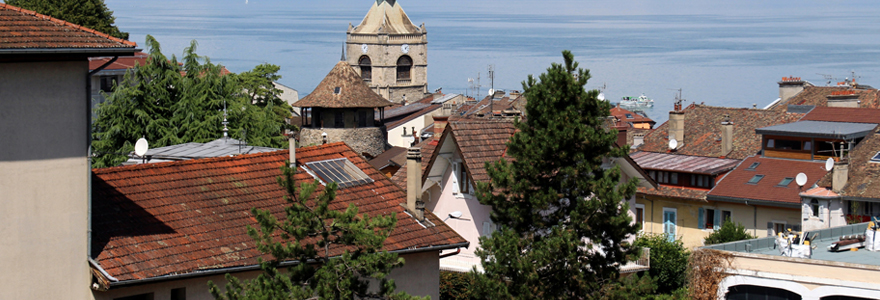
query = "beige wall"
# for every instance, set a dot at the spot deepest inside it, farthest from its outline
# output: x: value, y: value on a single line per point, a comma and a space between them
x: 395, y: 135
x: 43, y: 180
x: 384, y: 51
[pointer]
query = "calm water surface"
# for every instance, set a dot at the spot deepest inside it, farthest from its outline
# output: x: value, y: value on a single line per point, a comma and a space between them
x: 720, y: 53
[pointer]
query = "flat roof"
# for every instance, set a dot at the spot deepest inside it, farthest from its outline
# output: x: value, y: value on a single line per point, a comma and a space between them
x: 820, y: 253
x: 683, y: 163
x: 819, y: 129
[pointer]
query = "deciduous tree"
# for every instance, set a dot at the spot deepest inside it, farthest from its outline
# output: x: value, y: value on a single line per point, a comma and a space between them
x: 92, y: 14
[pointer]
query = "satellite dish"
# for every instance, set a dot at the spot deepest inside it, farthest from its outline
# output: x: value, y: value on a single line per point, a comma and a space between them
x: 801, y: 179
x: 673, y: 143
x: 601, y: 97
x: 829, y: 164
x: 141, y: 147
x: 491, y: 92
x: 455, y: 214
x: 412, y: 140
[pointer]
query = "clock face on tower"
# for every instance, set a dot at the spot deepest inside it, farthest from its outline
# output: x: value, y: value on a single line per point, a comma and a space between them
x: 404, y: 48
x: 364, y: 48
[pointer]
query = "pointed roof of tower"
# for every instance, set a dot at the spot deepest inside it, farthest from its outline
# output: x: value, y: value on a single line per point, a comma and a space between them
x: 386, y: 16
x: 342, y: 88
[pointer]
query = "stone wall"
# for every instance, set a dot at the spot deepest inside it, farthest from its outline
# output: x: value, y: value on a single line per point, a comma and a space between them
x: 370, y: 140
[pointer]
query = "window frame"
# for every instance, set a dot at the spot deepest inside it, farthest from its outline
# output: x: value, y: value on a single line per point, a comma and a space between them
x: 404, y: 68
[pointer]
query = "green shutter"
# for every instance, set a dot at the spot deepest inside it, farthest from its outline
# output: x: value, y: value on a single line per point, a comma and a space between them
x: 702, y: 219
x: 717, y: 219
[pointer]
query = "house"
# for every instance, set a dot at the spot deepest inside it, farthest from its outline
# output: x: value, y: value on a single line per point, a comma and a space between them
x: 390, y: 161
x: 457, y: 162
x: 632, y: 119
x: 762, y: 269
x: 402, y: 121
x: 497, y: 105
x: 167, y: 228
x: 794, y: 91
x: 44, y: 152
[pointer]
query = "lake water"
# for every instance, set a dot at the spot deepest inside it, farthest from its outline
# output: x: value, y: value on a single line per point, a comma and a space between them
x: 720, y: 53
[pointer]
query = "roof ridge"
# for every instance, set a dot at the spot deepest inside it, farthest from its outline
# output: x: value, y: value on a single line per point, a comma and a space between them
x: 181, y: 162
x: 66, y: 23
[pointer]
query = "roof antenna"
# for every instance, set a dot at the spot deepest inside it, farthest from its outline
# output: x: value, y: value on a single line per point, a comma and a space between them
x: 343, y: 53
x: 225, y: 122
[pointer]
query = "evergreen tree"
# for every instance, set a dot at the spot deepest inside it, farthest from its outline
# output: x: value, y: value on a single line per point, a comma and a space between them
x: 307, y: 233
x: 91, y: 14
x: 170, y: 102
x: 563, y: 223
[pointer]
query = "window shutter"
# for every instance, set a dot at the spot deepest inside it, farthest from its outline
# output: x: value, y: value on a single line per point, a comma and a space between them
x: 702, y: 219
x: 486, y: 228
x: 717, y: 223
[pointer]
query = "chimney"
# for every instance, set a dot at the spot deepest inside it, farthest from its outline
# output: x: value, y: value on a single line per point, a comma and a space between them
x: 292, y: 145
x: 848, y: 98
x: 415, y: 137
x: 726, y: 136
x: 414, y: 202
x: 440, y: 123
x: 676, y: 125
x: 839, y: 176
x: 790, y: 86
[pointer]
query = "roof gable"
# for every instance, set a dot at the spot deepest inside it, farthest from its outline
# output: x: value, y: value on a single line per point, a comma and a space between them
x: 342, y: 88
x: 480, y: 141
x: 772, y: 172
x: 386, y: 16
x: 27, y: 30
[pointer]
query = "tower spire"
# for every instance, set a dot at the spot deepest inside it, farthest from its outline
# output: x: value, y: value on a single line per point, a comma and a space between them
x: 343, y: 53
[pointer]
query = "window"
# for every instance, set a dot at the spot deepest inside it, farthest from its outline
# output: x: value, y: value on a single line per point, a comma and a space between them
x: 785, y: 182
x: 404, y: 64
x: 366, y: 68
x: 771, y: 143
x: 337, y: 90
x: 673, y: 178
x: 629, y: 116
x: 814, y: 204
x: 876, y: 157
x: 669, y: 223
x: 107, y: 83
x: 147, y: 296
x: 362, y: 119
x: 640, y: 215
x: 710, y: 218
x: 808, y: 146
x: 753, y: 166
x: 703, y: 181
x: 463, y: 179
x: 178, y: 294
x: 489, y: 228
x: 664, y: 177
x: 339, y: 120
x: 726, y: 216
x: 341, y: 171
x: 788, y: 145
x: 755, y: 179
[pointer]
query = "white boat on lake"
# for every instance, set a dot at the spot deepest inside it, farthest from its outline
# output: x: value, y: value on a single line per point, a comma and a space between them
x: 637, y: 101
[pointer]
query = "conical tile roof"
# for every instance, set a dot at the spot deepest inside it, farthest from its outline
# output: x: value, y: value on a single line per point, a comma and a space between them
x: 386, y: 16
x: 352, y: 91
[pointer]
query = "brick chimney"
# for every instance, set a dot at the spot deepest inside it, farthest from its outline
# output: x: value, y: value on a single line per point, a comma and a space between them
x: 726, y: 136
x: 839, y: 176
x: 440, y: 123
x: 414, y: 202
x: 790, y: 86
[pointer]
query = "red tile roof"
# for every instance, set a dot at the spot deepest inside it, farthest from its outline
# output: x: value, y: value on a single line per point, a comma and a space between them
x: 734, y: 184
x: 702, y: 131
x: 844, y: 114
x: 25, y: 29
x: 184, y: 217
x: 818, y: 96
x: 625, y: 116
x: 353, y: 91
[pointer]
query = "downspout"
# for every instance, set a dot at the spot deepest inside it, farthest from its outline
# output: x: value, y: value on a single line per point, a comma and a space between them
x: 457, y: 251
x: 89, y: 149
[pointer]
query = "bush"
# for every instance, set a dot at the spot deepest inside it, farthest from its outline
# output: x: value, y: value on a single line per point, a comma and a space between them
x: 729, y: 232
x: 455, y: 285
x: 669, y: 260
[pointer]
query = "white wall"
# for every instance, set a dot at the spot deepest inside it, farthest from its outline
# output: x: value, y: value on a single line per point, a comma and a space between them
x: 395, y: 135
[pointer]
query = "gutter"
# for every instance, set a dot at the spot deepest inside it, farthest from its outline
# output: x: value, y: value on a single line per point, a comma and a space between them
x: 109, y: 51
x: 116, y: 283
x: 89, y: 149
x: 753, y: 201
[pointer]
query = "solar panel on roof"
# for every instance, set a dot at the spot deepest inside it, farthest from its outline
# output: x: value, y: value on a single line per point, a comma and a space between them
x: 341, y: 171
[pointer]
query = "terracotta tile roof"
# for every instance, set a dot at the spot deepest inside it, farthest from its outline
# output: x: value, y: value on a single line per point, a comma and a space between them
x: 128, y: 62
x: 625, y: 116
x: 844, y: 114
x: 675, y: 192
x: 702, y: 134
x: 483, y: 107
x: 25, y: 29
x: 735, y: 184
x: 184, y: 217
x: 427, y: 147
x: 353, y: 91
x: 863, y: 178
x: 818, y: 96
x: 683, y: 163
x: 480, y: 141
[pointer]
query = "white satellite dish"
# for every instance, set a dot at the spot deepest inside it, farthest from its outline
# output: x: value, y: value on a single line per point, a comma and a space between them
x: 491, y: 92
x: 801, y: 179
x: 673, y: 143
x: 141, y: 147
x: 829, y: 164
x: 601, y: 97
x: 411, y: 140
x: 455, y: 214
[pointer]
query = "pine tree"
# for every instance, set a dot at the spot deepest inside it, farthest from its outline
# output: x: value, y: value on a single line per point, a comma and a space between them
x: 92, y: 14
x: 170, y: 102
x: 307, y: 233
x: 563, y: 223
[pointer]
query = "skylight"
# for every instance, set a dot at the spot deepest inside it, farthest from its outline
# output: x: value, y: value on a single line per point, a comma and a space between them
x: 876, y: 157
x: 629, y: 116
x: 341, y: 171
x: 755, y: 179
x: 337, y: 90
x: 753, y: 166
x: 785, y: 181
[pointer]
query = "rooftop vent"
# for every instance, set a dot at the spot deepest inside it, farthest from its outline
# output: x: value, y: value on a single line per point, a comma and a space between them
x: 341, y: 171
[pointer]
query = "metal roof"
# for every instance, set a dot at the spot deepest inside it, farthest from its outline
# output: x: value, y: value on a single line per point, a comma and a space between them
x: 683, y: 163
x: 403, y: 110
x: 445, y: 98
x: 820, y: 129
x: 216, y: 148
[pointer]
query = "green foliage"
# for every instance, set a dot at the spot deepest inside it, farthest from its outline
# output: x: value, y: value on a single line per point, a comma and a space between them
x: 729, y: 232
x: 669, y: 261
x: 455, y: 285
x: 170, y: 103
x: 91, y: 14
x: 564, y: 225
x: 639, y: 287
x: 309, y: 231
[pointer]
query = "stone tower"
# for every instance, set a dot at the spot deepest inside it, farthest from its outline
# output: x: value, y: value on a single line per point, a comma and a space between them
x: 343, y: 108
x: 389, y: 52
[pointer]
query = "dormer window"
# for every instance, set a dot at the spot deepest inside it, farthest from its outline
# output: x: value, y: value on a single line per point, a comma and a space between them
x: 337, y: 90
x: 753, y: 166
x: 876, y: 158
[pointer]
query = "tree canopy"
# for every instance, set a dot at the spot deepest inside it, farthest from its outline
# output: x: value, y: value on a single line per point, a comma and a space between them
x: 170, y: 102
x: 729, y: 232
x: 92, y: 14
x: 306, y: 233
x: 564, y: 226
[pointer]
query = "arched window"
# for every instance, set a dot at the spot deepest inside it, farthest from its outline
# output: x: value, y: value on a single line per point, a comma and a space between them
x: 366, y: 68
x: 404, y: 65
x: 815, y: 205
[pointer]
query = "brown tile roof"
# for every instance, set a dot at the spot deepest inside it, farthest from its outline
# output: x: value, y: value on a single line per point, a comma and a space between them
x: 25, y: 29
x: 683, y: 163
x: 626, y: 116
x: 353, y: 91
x: 844, y: 114
x: 480, y: 141
x: 702, y: 133
x: 483, y: 107
x: 863, y: 176
x: 675, y: 192
x: 818, y: 96
x: 734, y: 184
x: 427, y: 147
x: 184, y: 217
x: 388, y: 157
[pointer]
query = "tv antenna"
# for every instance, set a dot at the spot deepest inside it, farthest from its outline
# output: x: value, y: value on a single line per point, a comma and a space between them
x: 828, y: 78
x: 492, y: 94
x: 678, y: 99
x: 854, y: 77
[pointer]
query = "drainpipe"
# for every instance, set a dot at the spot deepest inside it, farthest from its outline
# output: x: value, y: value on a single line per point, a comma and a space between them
x: 89, y: 149
x: 457, y: 251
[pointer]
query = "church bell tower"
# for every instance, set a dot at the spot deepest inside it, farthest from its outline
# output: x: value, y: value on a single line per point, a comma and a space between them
x: 389, y: 52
